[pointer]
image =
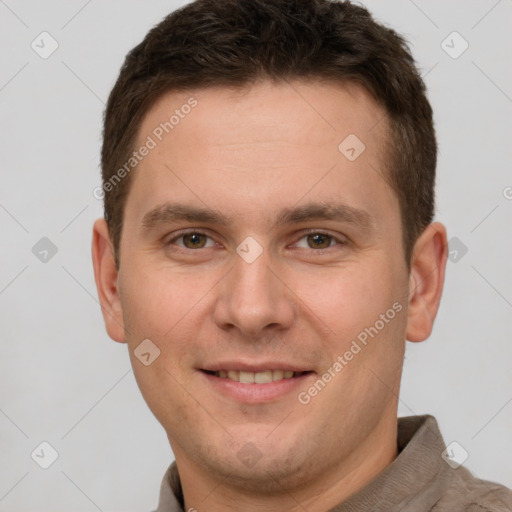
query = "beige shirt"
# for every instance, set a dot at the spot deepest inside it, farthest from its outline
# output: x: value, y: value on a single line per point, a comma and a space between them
x: 418, y: 480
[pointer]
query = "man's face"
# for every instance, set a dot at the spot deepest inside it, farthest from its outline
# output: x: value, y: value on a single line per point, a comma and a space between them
x: 263, y: 292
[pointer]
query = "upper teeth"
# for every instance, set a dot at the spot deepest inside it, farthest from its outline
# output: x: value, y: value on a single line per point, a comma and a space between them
x: 255, y: 377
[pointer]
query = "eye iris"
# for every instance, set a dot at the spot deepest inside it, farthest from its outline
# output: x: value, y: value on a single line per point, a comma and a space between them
x: 319, y: 240
x: 194, y: 239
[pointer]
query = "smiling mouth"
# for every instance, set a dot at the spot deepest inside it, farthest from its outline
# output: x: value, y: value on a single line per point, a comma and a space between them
x: 263, y: 377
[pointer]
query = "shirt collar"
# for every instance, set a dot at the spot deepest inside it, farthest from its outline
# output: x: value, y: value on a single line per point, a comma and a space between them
x: 406, y: 482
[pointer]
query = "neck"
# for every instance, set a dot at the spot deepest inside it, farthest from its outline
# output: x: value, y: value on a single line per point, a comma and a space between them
x: 203, y: 491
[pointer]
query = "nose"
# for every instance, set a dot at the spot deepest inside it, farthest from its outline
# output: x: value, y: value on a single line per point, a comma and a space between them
x: 253, y: 299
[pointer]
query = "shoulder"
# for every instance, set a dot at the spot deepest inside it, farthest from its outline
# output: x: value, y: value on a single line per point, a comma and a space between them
x: 466, y: 493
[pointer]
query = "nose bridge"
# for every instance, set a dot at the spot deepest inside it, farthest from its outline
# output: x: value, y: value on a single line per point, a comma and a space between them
x: 252, y: 297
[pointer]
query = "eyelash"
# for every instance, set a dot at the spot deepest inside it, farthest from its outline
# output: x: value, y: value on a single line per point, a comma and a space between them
x: 305, y: 234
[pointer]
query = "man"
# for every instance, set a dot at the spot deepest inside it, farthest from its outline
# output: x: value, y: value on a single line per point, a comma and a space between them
x: 268, y: 248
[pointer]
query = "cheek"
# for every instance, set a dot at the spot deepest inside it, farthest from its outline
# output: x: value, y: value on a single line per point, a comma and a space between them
x: 372, y: 326
x: 166, y: 393
x: 156, y: 300
x: 159, y: 306
x: 346, y: 300
x: 169, y: 308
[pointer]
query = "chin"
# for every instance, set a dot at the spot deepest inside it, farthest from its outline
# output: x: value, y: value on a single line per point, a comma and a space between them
x: 268, y: 475
x: 256, y: 462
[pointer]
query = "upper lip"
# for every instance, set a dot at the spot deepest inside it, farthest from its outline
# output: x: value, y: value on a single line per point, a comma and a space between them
x: 255, y: 366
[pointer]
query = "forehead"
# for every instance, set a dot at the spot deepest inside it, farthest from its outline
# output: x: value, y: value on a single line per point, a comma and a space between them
x: 267, y: 142
x: 314, y: 110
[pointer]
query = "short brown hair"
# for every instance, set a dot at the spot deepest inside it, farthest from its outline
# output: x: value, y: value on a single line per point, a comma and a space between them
x: 236, y: 42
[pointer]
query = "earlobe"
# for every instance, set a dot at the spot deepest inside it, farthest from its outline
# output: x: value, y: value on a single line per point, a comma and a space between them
x: 426, y: 281
x: 105, y: 275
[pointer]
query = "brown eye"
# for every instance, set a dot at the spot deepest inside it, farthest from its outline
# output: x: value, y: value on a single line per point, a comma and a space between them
x: 319, y: 240
x: 194, y: 240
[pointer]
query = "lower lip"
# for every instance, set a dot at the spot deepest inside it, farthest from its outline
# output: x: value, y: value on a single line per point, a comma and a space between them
x: 257, y: 393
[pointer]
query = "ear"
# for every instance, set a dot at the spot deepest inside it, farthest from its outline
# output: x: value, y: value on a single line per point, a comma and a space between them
x: 105, y: 275
x: 426, y: 281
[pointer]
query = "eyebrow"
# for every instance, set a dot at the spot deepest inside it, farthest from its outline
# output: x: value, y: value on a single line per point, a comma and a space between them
x: 172, y: 212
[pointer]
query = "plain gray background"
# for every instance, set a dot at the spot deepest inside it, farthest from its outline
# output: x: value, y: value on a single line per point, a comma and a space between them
x: 63, y: 381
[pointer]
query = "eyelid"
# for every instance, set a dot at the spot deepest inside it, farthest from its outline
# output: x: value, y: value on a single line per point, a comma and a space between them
x: 189, y: 231
x: 311, y: 231
x: 340, y: 240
